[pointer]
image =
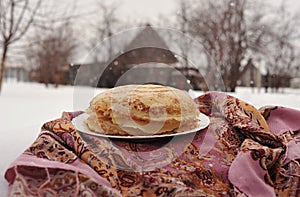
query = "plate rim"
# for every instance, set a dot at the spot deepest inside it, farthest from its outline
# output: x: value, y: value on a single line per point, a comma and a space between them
x: 83, y: 129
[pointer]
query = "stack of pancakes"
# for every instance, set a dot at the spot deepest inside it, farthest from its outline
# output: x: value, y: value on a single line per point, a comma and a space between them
x: 142, y: 110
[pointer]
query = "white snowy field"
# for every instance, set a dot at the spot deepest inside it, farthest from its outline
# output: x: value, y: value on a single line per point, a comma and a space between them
x: 24, y: 107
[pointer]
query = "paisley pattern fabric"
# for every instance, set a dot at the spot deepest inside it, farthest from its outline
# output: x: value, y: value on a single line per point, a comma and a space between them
x: 243, y: 152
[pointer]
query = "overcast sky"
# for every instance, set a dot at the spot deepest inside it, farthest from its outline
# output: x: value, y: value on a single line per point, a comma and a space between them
x: 151, y: 9
x: 142, y: 11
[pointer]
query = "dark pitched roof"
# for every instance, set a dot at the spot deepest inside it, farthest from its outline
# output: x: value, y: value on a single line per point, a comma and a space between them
x: 147, y: 37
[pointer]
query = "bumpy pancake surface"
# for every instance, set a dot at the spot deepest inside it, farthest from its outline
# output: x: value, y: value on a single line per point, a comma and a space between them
x: 142, y: 110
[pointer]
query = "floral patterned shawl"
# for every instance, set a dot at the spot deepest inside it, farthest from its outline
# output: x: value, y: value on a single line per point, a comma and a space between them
x: 243, y: 152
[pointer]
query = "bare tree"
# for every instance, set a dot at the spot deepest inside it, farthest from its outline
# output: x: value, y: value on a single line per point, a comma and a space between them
x: 223, y: 30
x: 183, y: 45
x: 236, y: 33
x: 182, y: 20
x: 16, y: 16
x: 281, y: 54
x: 51, y: 55
x: 104, y: 27
x: 51, y: 43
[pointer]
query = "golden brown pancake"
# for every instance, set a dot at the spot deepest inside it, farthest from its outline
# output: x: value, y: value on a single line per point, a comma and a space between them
x: 142, y: 110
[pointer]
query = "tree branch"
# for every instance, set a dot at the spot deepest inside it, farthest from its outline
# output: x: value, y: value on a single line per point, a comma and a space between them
x: 27, y: 25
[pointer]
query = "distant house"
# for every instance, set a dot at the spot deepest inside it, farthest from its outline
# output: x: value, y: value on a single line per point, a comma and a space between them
x: 86, y: 74
x: 16, y: 73
x: 295, y: 82
x: 151, y: 63
x: 61, y: 75
x: 253, y: 75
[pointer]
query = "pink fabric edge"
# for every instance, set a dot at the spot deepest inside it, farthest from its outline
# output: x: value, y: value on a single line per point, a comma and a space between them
x: 292, y: 153
x: 283, y: 119
x: 247, y: 175
x: 76, y: 166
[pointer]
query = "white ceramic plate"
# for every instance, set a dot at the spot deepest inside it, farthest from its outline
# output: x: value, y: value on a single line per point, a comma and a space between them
x: 81, y: 126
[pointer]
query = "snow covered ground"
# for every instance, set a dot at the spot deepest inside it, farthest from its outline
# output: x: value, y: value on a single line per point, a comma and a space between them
x: 24, y: 107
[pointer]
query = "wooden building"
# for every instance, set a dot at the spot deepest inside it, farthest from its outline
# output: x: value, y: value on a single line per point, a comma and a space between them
x: 146, y: 59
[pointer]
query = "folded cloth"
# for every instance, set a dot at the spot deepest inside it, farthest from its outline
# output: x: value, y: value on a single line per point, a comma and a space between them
x: 243, y: 152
